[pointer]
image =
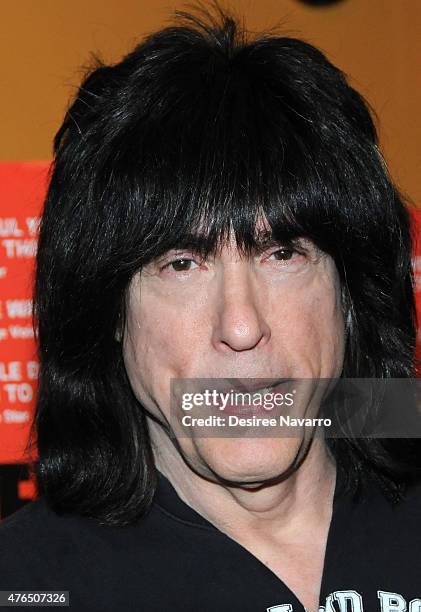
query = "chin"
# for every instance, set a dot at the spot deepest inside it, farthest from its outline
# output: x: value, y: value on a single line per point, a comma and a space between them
x: 246, y: 461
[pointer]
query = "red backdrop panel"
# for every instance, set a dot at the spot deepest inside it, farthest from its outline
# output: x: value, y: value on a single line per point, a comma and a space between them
x: 22, y: 190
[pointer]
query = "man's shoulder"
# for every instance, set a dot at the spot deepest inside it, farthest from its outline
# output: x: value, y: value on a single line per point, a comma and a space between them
x: 399, y: 519
x: 29, y: 519
x: 43, y: 549
x: 33, y: 528
x: 410, y: 505
x: 24, y: 537
x: 37, y: 534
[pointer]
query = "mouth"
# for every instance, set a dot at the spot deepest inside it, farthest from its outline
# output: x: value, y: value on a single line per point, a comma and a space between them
x: 253, y: 385
x: 257, y: 388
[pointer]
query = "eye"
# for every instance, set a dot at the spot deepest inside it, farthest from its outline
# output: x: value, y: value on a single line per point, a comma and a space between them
x: 283, y: 254
x: 180, y: 265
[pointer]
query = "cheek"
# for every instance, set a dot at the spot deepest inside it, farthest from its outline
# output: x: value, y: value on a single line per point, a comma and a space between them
x: 329, y: 324
x: 146, y: 356
x: 160, y: 340
x: 327, y: 333
x: 310, y: 331
x: 158, y: 346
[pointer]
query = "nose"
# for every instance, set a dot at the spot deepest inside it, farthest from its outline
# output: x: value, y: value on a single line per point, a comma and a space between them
x: 240, y: 323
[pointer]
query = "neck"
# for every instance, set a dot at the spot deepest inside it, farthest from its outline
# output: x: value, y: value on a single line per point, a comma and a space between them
x: 282, y: 510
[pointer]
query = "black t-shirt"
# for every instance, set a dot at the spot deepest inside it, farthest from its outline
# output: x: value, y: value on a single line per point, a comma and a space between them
x: 175, y: 560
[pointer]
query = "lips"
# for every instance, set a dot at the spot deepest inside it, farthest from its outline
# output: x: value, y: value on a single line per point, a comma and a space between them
x: 251, y: 384
x: 252, y: 387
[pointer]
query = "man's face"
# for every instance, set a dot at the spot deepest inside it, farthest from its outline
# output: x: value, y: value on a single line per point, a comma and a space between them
x: 275, y: 314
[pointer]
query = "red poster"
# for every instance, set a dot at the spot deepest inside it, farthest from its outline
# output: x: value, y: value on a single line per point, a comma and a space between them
x: 22, y: 191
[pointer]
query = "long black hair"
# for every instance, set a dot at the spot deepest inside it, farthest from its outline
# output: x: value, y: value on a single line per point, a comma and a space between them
x: 200, y: 127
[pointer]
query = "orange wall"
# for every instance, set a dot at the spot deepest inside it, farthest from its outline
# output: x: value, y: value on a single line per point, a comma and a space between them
x: 45, y: 43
